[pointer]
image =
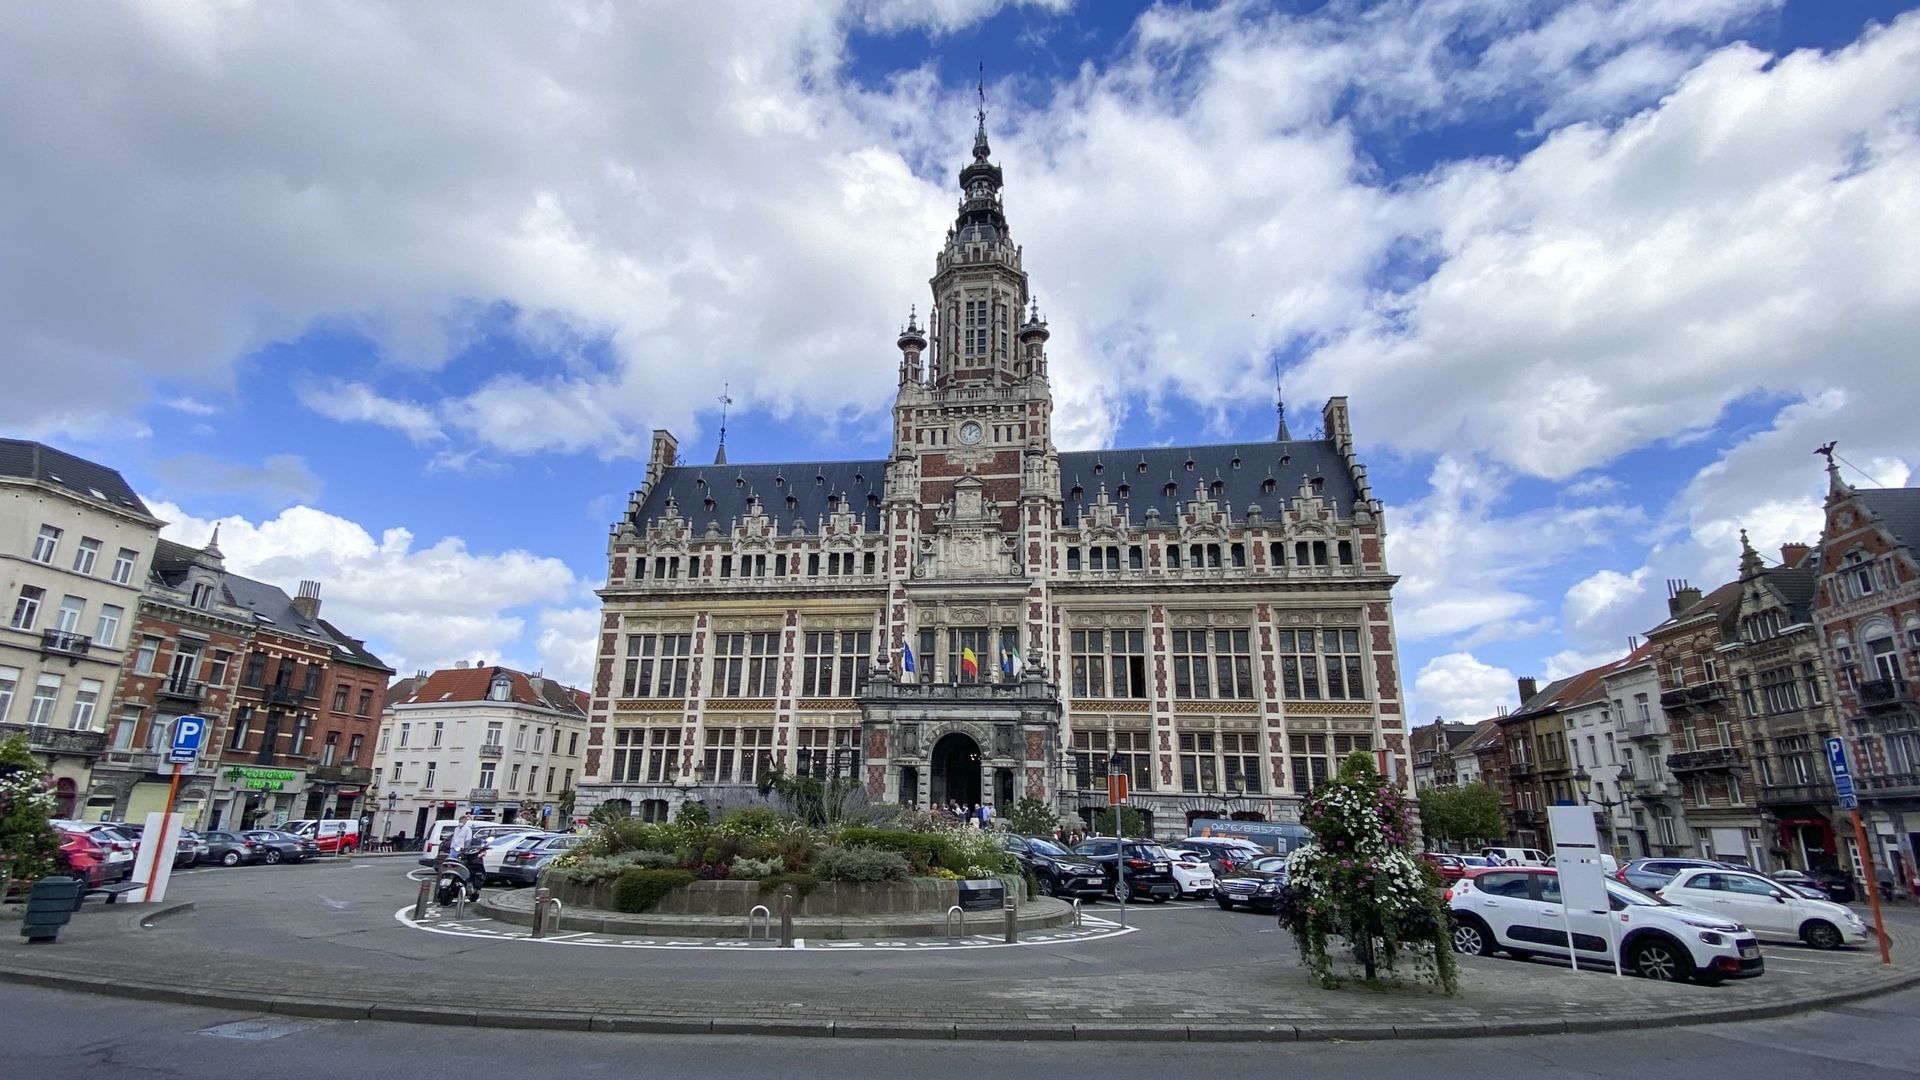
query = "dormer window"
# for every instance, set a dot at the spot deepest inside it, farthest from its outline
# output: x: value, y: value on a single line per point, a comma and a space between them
x: 1124, y: 490
x: 501, y: 688
x: 1858, y: 573
x: 1317, y: 483
x: 1171, y: 489
x: 1266, y: 486
x: 202, y: 597
x: 1190, y: 464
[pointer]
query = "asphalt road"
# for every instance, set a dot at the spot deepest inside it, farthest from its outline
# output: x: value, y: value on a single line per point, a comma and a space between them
x: 53, y: 1035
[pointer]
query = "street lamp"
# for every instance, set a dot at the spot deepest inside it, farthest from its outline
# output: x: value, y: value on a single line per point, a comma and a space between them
x: 1584, y: 784
x: 1236, y: 787
x: 393, y: 799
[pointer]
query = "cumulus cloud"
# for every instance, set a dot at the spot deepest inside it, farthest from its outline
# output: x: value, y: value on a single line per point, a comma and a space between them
x: 352, y: 402
x: 416, y: 606
x: 1458, y: 686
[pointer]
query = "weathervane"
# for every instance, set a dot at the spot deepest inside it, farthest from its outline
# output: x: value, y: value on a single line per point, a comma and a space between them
x: 720, y: 454
x: 981, y: 88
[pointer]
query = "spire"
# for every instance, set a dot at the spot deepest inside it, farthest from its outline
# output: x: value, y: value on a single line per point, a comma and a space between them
x: 1280, y: 407
x: 981, y: 217
x: 720, y: 453
x: 1750, y: 564
x: 981, y: 150
x: 213, y: 545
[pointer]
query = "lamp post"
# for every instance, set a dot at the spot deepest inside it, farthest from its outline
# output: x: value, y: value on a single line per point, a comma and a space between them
x: 393, y: 799
x: 1584, y: 783
x: 1235, y: 789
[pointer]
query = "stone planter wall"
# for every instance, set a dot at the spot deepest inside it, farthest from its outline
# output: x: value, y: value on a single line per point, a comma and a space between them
x: 917, y: 896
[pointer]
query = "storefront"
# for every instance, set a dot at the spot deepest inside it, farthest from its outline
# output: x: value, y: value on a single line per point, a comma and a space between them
x: 255, y: 796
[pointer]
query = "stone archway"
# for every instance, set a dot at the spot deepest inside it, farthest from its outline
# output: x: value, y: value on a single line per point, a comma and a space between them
x: 955, y: 770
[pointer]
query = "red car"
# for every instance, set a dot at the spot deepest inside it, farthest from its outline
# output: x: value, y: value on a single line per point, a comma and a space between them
x: 84, y: 857
x: 1449, y: 867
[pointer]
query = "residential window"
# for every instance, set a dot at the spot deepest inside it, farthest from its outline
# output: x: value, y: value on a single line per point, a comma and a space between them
x: 494, y: 730
x: 123, y: 564
x: 242, y: 721
x: 1700, y: 793
x: 124, y: 727
x: 386, y: 736
x: 550, y: 773
x: 46, y: 544
x: 1855, y: 569
x: 1669, y: 835
x: 9, y: 686
x: 1642, y: 707
x: 85, y: 699
x: 1881, y: 654
x: 533, y: 778
x: 398, y: 767
x: 329, y: 748
x: 405, y: 730
x: 573, y: 744
x: 1736, y: 796
x: 256, y: 669
x: 45, y: 693
x: 520, y: 737
x: 1212, y: 664
x: 340, y: 698
x: 1810, y: 678
x: 185, y: 663
x: 1109, y: 663
x: 657, y: 665
x: 106, y: 631
x: 439, y: 732
x: 1779, y: 690
x: 67, y: 621
x: 746, y: 665
x: 567, y: 784
x: 86, y: 555
x: 300, y: 722
x: 513, y: 777
x: 427, y: 783
x: 353, y: 749
x: 26, y: 610
x: 364, y: 706
x: 202, y: 596
x: 836, y: 662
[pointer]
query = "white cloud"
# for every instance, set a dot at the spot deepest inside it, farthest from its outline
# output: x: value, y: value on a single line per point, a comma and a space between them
x: 279, y: 479
x: 569, y: 640
x: 416, y: 606
x: 1572, y: 662
x: 1459, y: 687
x: 352, y: 402
x: 1603, y: 593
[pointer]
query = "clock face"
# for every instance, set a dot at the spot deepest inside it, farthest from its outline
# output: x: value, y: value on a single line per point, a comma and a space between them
x: 970, y: 433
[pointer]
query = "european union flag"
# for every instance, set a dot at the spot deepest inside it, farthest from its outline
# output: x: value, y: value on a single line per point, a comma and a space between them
x: 906, y: 658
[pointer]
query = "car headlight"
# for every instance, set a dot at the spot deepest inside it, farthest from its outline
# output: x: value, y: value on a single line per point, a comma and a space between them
x: 1708, y: 937
x: 1707, y: 924
x: 1270, y: 887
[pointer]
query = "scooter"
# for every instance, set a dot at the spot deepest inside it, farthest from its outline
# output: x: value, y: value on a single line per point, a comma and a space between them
x: 459, y: 880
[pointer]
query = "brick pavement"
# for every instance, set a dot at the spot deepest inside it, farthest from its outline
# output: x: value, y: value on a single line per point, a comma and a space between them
x: 1263, y: 998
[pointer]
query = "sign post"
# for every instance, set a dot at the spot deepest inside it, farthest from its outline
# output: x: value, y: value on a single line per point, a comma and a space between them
x: 1117, y: 795
x: 162, y: 832
x: 1850, y: 802
x: 1583, y: 881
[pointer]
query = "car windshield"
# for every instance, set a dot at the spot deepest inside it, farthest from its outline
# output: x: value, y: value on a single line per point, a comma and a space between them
x: 1046, y: 847
x: 1146, y: 851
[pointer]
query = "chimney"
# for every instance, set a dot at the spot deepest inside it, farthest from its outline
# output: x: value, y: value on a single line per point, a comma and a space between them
x: 1529, y: 686
x: 307, y: 603
x: 1792, y: 555
x: 1680, y: 596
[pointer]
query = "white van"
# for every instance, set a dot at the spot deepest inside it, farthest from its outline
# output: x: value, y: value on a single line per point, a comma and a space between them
x: 334, y: 836
x: 440, y: 832
x: 1517, y: 856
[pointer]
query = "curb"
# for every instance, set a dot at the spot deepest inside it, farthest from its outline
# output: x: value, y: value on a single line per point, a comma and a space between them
x: 552, y: 1020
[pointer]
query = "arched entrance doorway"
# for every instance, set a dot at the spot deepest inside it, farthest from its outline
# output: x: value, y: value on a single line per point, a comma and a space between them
x: 956, y: 770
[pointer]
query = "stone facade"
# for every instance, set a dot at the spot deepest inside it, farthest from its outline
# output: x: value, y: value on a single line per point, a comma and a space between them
x: 1213, y: 621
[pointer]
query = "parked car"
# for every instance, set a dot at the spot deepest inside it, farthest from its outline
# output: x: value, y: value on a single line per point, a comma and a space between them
x: 84, y: 856
x: 1255, y: 885
x: 1058, y: 871
x: 230, y: 849
x: 1772, y: 910
x: 1449, y: 867
x: 193, y: 849
x: 1224, y: 853
x: 1832, y: 884
x: 118, y: 848
x: 1650, y: 874
x: 1149, y: 872
x: 530, y: 855
x: 1517, y: 856
x: 333, y: 835
x: 1192, y: 872
x: 492, y: 851
x: 438, y: 833
x: 276, y: 846
x: 1517, y: 910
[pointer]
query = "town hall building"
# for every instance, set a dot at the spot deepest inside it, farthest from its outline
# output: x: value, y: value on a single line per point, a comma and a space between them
x: 983, y: 617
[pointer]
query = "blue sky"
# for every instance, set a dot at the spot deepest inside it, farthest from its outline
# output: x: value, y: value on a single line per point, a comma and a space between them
x: 395, y: 293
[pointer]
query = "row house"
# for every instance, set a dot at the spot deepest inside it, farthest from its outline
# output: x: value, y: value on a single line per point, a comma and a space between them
x: 1601, y: 757
x: 1656, y: 812
x: 499, y: 743
x: 982, y: 617
x: 1433, y: 748
x: 1867, y: 610
x: 76, y: 544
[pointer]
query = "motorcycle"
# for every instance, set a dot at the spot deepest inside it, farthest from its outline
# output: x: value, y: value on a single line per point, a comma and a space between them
x: 460, y: 879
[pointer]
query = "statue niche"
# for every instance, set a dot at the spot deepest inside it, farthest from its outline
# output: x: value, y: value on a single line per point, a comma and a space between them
x: 967, y: 539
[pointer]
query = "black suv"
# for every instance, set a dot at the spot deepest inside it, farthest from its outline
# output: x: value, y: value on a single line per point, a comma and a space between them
x: 1058, y: 871
x: 1149, y: 869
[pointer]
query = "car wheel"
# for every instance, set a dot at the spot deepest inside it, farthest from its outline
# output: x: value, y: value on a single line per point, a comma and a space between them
x: 1821, y: 935
x: 1662, y: 960
x: 231, y: 858
x: 1122, y: 891
x: 1225, y: 904
x: 273, y: 856
x: 1472, y: 938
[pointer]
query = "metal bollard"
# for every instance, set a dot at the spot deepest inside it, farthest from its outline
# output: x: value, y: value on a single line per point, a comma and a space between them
x: 540, y: 898
x: 786, y: 920
x: 953, y: 913
x: 766, y: 923
x: 1076, y: 912
x: 1013, y: 923
x: 420, y: 903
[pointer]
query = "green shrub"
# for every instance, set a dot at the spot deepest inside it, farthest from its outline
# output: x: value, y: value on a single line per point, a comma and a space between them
x: 797, y: 884
x: 750, y: 822
x: 693, y: 813
x: 639, y: 890
x: 755, y: 869
x: 973, y: 850
x: 601, y: 869
x: 796, y: 846
x: 922, y: 850
x: 1035, y: 817
x: 860, y: 864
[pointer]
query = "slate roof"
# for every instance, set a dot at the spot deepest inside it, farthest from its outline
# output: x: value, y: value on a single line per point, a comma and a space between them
x: 1898, y: 510
x: 171, y: 562
x: 1426, y: 736
x: 471, y: 684
x: 272, y: 607
x: 1265, y: 473
x: 353, y: 648
x: 37, y: 461
x: 1796, y: 585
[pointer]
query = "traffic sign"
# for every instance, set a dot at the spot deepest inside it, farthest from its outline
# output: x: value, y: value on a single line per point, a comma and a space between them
x: 1117, y: 788
x: 188, y: 732
x: 1842, y: 774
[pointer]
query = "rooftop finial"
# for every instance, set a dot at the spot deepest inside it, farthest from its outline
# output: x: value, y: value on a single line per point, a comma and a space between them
x: 1835, y: 485
x: 1280, y: 403
x: 980, y: 149
x: 720, y: 454
x: 213, y: 545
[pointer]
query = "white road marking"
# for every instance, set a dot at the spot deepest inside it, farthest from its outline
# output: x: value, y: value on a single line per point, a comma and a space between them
x: 799, y: 943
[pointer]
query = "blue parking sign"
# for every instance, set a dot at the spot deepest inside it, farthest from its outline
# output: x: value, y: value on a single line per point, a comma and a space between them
x: 1842, y: 774
x: 188, y: 733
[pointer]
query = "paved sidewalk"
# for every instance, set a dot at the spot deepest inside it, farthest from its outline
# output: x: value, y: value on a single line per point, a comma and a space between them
x: 363, y: 965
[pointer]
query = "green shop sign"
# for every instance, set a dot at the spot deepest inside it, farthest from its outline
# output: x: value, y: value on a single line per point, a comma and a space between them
x: 262, y: 779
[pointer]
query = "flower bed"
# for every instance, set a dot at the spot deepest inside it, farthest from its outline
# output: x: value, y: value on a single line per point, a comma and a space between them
x: 915, y: 896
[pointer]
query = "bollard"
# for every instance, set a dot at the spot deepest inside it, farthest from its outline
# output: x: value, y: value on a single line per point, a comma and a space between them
x: 959, y: 913
x: 420, y: 903
x: 1076, y: 912
x: 540, y: 899
x: 1013, y: 924
x: 786, y: 920
x: 766, y: 921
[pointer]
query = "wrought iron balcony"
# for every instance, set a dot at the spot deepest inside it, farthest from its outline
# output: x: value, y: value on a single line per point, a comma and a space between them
x: 1706, y: 693
x: 1888, y: 785
x: 1653, y: 787
x: 491, y: 750
x: 1811, y: 794
x: 1522, y: 767
x: 1720, y: 757
x: 64, y: 643
x: 1645, y: 729
x: 1526, y: 819
x: 1885, y: 695
x: 283, y: 695
x: 182, y: 689
x: 53, y: 740
x: 1672, y: 700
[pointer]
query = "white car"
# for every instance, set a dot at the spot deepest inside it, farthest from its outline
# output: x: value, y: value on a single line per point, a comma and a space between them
x: 1772, y: 910
x: 1517, y: 910
x: 494, y: 858
x: 1192, y: 872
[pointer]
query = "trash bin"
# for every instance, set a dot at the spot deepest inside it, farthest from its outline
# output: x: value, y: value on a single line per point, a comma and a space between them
x: 50, y: 903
